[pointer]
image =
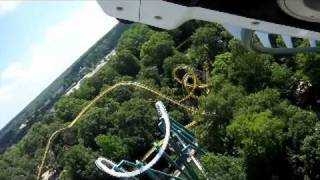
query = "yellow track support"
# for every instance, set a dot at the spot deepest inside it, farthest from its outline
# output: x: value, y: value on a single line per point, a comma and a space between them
x: 102, y: 94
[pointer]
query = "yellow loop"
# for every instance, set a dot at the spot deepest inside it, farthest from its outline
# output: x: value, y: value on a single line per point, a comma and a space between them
x: 190, y: 87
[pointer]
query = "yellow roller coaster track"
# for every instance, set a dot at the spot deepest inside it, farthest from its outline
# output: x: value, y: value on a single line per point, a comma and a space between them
x: 189, y: 80
x: 187, y: 85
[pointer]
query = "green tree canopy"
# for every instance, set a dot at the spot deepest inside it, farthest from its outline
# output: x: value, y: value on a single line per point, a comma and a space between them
x: 133, y: 39
x: 125, y: 63
x: 173, y: 61
x: 311, y: 154
x: 156, y: 49
x: 96, y: 121
x: 249, y: 70
x: 258, y: 133
x: 78, y: 162
x: 310, y: 66
x: 136, y: 123
x: 222, y: 167
x: 259, y: 137
x: 206, y: 44
x: 221, y: 105
x: 112, y: 146
x: 68, y: 107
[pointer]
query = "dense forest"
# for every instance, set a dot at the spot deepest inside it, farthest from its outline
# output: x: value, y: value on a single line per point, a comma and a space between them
x: 265, y: 109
